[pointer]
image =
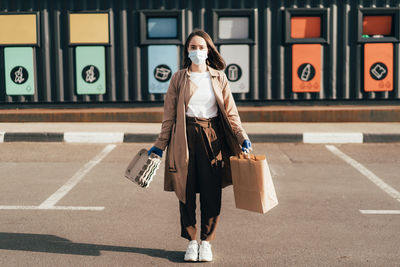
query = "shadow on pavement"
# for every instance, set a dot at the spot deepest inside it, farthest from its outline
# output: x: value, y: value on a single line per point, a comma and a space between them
x: 55, y: 244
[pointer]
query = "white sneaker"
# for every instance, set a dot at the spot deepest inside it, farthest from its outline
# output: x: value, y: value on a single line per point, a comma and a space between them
x: 205, y: 253
x: 192, y: 251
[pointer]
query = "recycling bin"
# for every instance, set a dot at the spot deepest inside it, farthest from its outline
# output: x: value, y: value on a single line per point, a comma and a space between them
x: 89, y: 34
x: 234, y: 34
x: 378, y: 30
x: 307, y: 32
x: 162, y: 34
x: 19, y: 37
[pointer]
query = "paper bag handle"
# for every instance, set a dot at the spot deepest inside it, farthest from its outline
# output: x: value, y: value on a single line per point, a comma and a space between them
x: 243, y: 155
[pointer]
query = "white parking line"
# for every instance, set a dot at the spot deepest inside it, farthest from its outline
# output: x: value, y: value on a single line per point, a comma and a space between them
x: 78, y: 176
x: 2, y: 137
x: 333, y: 138
x: 370, y: 175
x: 19, y: 207
x: 380, y: 211
x: 49, y: 208
x: 364, y: 171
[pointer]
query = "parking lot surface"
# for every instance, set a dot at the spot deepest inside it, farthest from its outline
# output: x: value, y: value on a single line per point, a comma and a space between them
x: 70, y: 205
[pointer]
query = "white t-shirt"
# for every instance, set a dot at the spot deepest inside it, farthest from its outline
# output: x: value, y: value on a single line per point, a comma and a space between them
x: 202, y: 104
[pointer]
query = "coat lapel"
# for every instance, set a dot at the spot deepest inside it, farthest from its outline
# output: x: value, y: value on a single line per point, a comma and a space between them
x: 230, y: 137
x: 217, y: 91
x: 217, y: 88
x: 190, y: 89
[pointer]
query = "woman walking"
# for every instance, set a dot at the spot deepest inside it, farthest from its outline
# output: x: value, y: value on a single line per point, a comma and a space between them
x: 202, y: 129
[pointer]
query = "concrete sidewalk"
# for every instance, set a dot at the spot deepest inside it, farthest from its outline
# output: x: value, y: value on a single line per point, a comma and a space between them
x: 91, y: 132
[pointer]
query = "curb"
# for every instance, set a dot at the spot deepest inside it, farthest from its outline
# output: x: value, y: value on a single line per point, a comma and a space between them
x: 33, y: 137
x: 119, y: 137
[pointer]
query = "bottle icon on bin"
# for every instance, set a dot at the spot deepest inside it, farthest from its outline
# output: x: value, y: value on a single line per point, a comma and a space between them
x: 305, y: 74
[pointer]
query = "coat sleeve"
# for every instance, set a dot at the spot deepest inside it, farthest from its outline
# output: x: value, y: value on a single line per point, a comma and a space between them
x: 231, y: 111
x: 169, y: 115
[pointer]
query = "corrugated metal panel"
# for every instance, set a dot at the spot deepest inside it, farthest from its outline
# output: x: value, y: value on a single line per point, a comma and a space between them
x: 126, y: 66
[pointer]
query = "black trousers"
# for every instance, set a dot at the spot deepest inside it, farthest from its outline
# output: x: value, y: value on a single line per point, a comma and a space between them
x: 204, y: 177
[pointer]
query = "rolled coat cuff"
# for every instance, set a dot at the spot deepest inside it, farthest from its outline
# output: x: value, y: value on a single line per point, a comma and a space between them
x: 160, y: 144
x: 241, y: 137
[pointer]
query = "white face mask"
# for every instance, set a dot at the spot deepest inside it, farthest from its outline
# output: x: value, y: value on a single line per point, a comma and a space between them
x: 198, y: 57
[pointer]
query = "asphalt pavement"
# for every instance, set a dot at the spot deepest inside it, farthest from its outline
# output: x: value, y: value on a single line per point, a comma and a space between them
x: 68, y: 204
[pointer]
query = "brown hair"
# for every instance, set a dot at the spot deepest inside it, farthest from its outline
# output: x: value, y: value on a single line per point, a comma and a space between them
x: 214, y: 58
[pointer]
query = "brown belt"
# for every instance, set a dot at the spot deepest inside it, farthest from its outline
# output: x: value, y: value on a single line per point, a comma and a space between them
x: 206, y: 123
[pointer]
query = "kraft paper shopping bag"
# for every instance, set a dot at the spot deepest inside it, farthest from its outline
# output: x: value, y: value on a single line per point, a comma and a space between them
x: 252, y: 183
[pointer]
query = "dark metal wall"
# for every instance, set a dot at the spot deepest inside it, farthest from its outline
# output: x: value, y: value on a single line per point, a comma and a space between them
x: 126, y: 66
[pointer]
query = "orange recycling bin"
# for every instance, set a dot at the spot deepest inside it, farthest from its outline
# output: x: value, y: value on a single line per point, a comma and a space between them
x: 306, y: 68
x: 378, y: 67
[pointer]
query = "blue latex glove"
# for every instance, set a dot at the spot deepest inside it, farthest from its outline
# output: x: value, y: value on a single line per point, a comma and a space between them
x: 246, y: 146
x: 155, y: 150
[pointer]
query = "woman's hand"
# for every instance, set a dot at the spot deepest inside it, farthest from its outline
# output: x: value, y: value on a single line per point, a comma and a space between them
x: 246, y: 146
x: 155, y: 150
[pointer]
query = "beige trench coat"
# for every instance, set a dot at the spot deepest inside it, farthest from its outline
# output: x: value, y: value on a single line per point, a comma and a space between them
x: 173, y: 129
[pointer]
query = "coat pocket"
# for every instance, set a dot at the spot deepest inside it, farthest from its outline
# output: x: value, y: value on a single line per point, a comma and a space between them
x: 171, y: 151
